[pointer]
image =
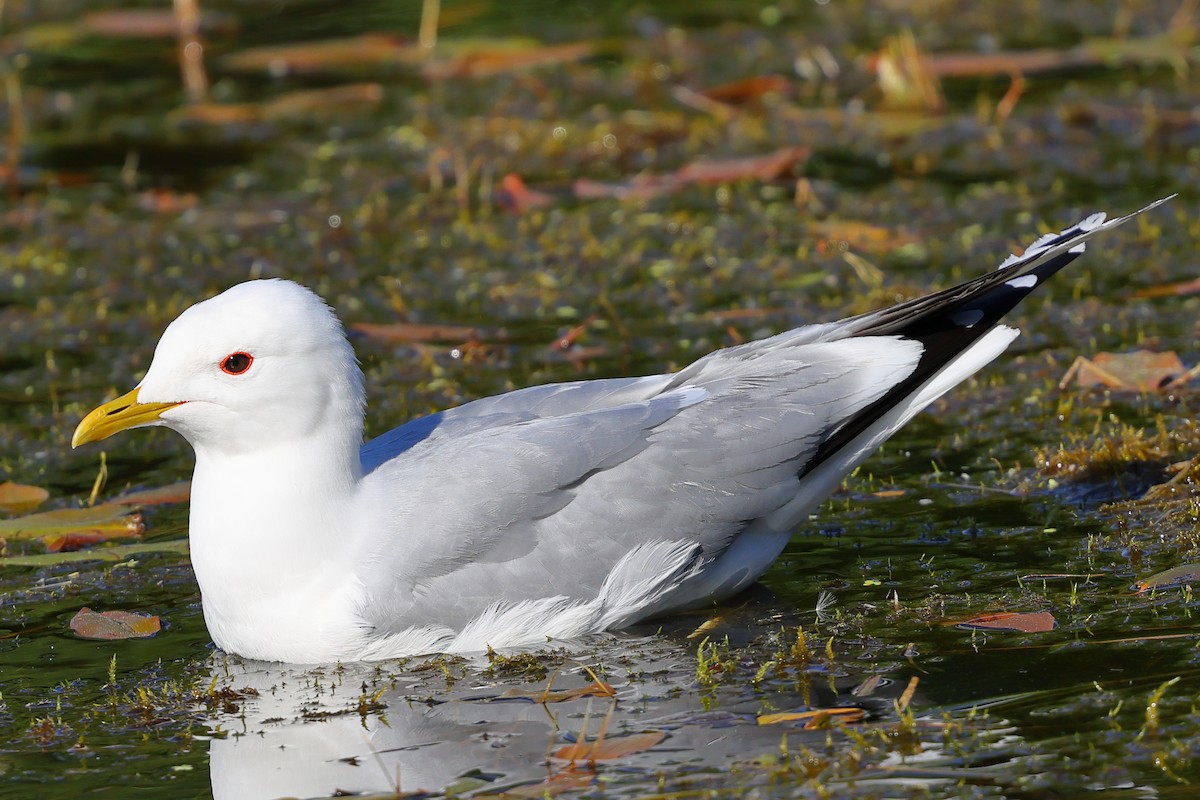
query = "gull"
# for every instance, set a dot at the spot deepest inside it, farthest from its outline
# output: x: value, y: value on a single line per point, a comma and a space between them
x: 547, y: 513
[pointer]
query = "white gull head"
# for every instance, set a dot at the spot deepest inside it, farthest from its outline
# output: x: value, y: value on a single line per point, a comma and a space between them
x: 259, y: 365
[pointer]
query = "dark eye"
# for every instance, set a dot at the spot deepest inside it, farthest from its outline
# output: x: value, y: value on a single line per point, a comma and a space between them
x: 237, y: 363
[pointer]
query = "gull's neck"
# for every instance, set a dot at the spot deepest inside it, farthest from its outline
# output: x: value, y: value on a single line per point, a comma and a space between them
x: 272, y: 547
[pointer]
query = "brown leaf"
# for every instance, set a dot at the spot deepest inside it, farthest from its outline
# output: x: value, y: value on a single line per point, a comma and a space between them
x: 641, y: 187
x: 815, y: 716
x: 1018, y: 621
x: 150, y: 23
x: 1176, y: 576
x: 340, y: 100
x: 609, y: 748
x: 1155, y: 118
x: 107, y: 625
x: 566, y: 341
x: 909, y: 691
x: 1158, y: 48
x: 69, y: 542
x: 858, y: 235
x: 336, y: 100
x: 515, y: 194
x: 483, y: 59
x: 1171, y: 289
x: 118, y: 552
x: 370, y: 50
x: 748, y: 89
x: 113, y: 520
x: 765, y: 167
x: 165, y: 201
x: 18, y: 498
x: 179, y: 492
x: 218, y: 115
x: 405, y: 332
x: 1009, y: 62
x: 1141, y: 370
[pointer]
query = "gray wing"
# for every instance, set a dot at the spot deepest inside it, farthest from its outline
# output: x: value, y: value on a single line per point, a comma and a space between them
x: 558, y: 399
x: 489, y: 507
x: 523, y: 405
x: 666, y: 490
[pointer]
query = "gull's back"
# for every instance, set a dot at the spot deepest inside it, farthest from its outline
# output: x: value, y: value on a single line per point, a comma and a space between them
x: 565, y: 509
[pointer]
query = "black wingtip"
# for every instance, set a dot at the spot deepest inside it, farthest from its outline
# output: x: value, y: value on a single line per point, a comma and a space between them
x: 948, y: 323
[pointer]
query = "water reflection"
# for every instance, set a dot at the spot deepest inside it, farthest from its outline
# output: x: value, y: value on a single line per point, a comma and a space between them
x: 370, y: 728
x: 303, y: 736
x: 373, y: 728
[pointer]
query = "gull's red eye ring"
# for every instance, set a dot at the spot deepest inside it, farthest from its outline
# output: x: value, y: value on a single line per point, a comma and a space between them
x: 236, y: 363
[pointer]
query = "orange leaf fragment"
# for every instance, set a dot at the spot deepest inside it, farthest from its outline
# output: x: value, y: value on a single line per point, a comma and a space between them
x: 748, y: 89
x: 365, y: 51
x: 406, y: 332
x: 1010, y: 62
x: 766, y: 167
x: 317, y: 103
x: 1170, y: 289
x: 218, y: 115
x: 860, y: 235
x: 609, y: 748
x: 151, y: 23
x: 642, y: 187
x: 501, y: 57
x: 113, y: 520
x: 816, y: 715
x: 517, y: 195
x: 165, y: 201
x: 1019, y: 621
x: 69, y: 542
x: 1141, y: 370
x: 1095, y: 52
x: 110, y: 625
x: 345, y: 99
x: 17, y: 497
x: 1176, y: 576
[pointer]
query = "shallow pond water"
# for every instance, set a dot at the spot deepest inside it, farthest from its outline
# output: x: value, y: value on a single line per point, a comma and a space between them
x: 525, y: 201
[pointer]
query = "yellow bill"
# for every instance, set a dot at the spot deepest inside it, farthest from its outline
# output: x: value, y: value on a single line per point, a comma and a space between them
x: 117, y: 415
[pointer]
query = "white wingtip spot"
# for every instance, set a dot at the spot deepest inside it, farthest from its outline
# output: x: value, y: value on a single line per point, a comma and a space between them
x: 1023, y: 282
x: 1008, y: 262
x: 1084, y: 229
